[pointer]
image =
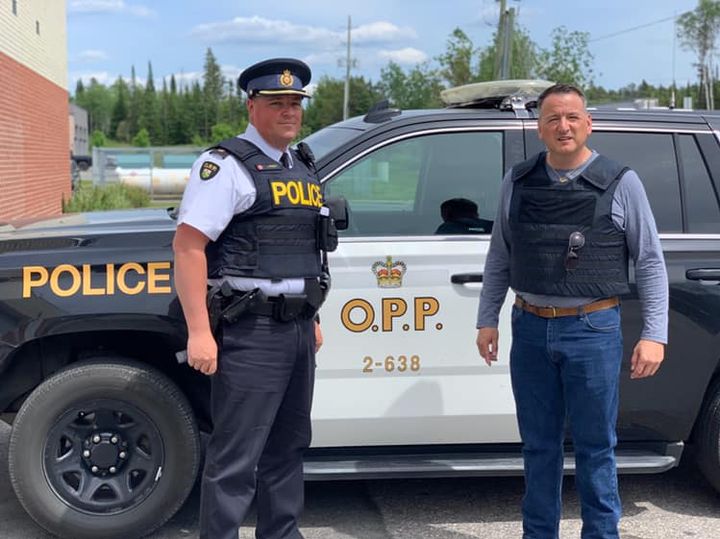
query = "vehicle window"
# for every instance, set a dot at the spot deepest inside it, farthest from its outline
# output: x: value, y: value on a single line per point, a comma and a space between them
x: 399, y: 189
x: 326, y: 140
x: 703, y: 212
x: 652, y: 156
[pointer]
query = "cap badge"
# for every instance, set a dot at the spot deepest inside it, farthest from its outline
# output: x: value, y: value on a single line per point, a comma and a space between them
x: 286, y: 79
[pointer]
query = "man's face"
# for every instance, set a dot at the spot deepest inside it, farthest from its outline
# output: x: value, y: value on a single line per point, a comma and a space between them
x: 564, y: 125
x: 278, y: 118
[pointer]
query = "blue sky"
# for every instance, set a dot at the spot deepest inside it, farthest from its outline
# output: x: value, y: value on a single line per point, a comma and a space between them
x: 107, y: 37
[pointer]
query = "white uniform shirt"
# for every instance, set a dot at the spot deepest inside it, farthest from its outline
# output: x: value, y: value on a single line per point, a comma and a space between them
x: 210, y: 205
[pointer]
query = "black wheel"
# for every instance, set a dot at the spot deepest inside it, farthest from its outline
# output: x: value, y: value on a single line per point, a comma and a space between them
x: 83, y: 165
x: 104, y: 449
x: 708, y: 438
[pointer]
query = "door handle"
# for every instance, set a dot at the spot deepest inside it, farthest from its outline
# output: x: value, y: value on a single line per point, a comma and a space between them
x: 462, y: 278
x: 703, y: 274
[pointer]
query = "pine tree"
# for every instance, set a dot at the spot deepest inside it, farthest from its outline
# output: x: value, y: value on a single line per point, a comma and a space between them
x: 119, y: 121
x: 212, y: 92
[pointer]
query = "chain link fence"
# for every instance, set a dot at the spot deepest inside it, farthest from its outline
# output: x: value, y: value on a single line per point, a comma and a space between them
x: 162, y: 171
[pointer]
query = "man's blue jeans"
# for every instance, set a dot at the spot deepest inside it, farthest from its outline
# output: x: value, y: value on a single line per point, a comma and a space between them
x: 568, y: 367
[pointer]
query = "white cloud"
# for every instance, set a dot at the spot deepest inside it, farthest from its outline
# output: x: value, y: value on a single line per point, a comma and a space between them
x: 108, y: 6
x: 185, y: 80
x: 310, y: 88
x: 95, y: 6
x: 406, y: 56
x: 324, y: 58
x: 103, y: 77
x: 92, y: 55
x: 261, y: 30
x: 231, y: 73
x: 381, y: 32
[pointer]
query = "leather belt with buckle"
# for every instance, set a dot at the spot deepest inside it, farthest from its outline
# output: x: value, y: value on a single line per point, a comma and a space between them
x: 555, y: 312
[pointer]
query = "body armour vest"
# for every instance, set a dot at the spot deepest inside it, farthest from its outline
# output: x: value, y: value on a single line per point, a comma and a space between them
x: 543, y: 215
x: 276, y: 238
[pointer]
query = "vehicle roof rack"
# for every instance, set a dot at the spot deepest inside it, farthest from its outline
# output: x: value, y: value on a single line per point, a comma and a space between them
x: 381, y: 112
x: 500, y: 94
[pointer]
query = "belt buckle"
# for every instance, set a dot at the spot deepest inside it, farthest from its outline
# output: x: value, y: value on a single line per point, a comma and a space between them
x: 554, y: 311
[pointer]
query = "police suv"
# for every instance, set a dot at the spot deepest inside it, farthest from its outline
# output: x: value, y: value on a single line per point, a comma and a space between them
x: 106, y: 425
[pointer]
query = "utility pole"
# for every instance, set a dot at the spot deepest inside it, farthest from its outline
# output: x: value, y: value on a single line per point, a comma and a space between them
x: 499, y: 40
x: 503, y: 43
x: 674, y: 87
x: 346, y: 96
x: 507, y: 46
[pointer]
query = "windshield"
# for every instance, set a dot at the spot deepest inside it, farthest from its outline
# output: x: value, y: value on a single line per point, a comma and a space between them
x: 328, y: 139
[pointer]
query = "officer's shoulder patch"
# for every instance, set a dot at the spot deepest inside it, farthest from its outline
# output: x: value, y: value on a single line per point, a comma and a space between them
x: 208, y: 170
x: 220, y: 152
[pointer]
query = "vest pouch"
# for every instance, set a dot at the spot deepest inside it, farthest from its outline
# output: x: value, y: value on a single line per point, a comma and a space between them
x: 327, y: 232
x: 548, y: 207
x: 241, y: 253
x: 289, y: 307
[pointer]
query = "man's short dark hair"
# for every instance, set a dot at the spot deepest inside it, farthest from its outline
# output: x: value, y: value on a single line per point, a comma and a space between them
x: 561, y: 88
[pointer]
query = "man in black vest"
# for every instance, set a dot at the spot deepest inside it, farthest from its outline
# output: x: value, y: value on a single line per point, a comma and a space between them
x: 248, y: 224
x: 569, y: 221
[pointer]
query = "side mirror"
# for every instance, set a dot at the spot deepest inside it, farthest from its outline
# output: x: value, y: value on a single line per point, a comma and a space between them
x: 339, y: 211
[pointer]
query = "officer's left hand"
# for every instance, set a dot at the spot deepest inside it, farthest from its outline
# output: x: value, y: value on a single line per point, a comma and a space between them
x: 646, y: 358
x: 318, y: 336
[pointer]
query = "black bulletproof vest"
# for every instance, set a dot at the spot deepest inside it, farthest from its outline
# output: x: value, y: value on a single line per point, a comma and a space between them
x: 544, y: 213
x: 276, y: 238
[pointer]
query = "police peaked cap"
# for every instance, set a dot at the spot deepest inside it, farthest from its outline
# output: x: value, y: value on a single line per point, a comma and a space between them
x: 276, y: 77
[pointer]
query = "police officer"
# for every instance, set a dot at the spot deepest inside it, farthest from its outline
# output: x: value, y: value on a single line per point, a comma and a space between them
x: 568, y: 223
x: 249, y: 218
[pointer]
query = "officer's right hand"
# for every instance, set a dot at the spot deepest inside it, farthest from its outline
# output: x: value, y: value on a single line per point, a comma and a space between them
x: 487, y: 343
x: 202, y: 353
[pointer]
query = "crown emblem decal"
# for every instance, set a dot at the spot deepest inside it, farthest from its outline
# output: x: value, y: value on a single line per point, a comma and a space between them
x: 389, y: 274
x: 286, y: 79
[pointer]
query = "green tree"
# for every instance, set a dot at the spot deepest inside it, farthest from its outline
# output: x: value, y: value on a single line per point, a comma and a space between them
x: 135, y: 103
x: 523, y: 57
x: 97, y: 100
x: 568, y: 59
x: 698, y: 31
x: 79, y: 88
x: 221, y: 131
x: 418, y: 88
x: 149, y: 116
x: 141, y: 139
x: 98, y: 139
x: 118, y: 122
x: 212, y: 91
x: 456, y: 63
x: 326, y: 106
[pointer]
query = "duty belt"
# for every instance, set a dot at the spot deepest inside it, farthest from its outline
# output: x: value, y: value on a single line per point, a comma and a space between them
x: 283, y: 308
x: 556, y: 312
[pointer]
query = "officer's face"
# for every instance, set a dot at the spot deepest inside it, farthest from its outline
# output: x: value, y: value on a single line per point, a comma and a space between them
x: 564, y: 125
x: 277, y: 118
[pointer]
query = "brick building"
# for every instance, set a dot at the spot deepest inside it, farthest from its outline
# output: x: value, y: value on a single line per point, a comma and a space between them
x: 34, y: 131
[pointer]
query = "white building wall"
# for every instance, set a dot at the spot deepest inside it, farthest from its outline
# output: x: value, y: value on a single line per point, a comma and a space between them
x: 36, y: 36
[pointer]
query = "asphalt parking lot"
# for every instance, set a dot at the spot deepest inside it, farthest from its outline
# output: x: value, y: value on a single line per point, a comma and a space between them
x: 678, y: 504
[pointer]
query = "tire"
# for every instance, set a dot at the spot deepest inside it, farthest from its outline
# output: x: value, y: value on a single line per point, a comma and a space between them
x: 708, y: 438
x: 127, y: 420
x: 83, y: 165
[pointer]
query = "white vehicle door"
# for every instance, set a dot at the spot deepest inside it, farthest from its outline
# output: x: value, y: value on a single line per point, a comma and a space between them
x: 399, y: 365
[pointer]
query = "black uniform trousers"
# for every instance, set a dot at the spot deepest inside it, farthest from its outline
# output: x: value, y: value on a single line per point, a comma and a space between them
x: 261, y: 399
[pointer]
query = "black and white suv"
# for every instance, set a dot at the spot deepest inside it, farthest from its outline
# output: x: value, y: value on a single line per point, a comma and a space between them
x: 107, y: 425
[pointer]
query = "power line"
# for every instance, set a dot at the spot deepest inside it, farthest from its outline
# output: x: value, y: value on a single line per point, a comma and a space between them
x: 620, y: 32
